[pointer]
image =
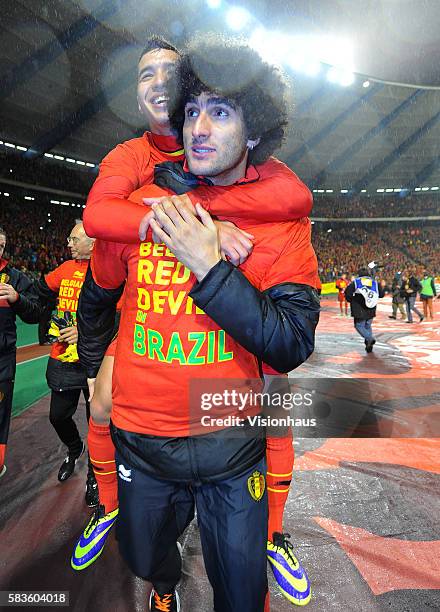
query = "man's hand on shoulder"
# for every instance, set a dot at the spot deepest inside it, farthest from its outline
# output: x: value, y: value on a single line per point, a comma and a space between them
x: 194, y: 242
x: 235, y: 244
x: 179, y: 200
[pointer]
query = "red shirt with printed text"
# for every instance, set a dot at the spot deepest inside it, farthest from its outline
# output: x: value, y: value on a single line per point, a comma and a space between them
x: 66, y: 281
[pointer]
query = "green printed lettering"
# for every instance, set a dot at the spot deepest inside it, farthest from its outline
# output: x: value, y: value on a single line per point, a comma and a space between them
x: 155, y: 343
x: 211, y: 347
x: 199, y: 338
x: 139, y: 340
x: 222, y: 354
x: 175, y: 350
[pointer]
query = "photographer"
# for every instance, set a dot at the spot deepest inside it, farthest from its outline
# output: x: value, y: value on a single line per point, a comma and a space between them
x: 363, y: 293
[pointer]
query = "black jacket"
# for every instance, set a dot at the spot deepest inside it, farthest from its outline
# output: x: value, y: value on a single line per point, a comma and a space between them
x: 357, y: 303
x: 277, y: 325
x: 97, y: 322
x: 8, y: 329
x: 411, y: 283
x: 395, y: 291
x: 60, y: 376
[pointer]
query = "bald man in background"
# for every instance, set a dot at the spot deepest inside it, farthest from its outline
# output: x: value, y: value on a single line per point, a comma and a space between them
x: 66, y: 377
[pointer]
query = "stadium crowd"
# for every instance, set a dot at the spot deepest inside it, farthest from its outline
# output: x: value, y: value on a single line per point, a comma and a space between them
x: 380, y: 206
x: 37, y: 234
x: 37, y: 241
x: 349, y: 246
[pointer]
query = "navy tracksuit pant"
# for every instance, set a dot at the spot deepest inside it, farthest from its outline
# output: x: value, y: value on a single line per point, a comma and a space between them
x: 153, y: 513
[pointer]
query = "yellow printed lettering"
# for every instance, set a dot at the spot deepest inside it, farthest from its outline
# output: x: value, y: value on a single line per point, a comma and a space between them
x: 145, y: 268
x: 141, y: 317
x: 143, y: 301
x: 159, y: 298
x: 189, y: 305
x: 158, y: 250
x: 163, y: 275
x: 145, y: 249
x: 181, y: 274
x: 175, y: 304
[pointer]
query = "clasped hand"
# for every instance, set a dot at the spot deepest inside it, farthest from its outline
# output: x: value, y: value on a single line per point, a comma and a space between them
x: 235, y: 244
x: 192, y: 238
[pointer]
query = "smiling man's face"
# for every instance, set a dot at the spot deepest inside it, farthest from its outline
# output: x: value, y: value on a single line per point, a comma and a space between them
x: 154, y: 71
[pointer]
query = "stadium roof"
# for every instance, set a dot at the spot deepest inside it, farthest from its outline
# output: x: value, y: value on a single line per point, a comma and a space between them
x: 68, y: 73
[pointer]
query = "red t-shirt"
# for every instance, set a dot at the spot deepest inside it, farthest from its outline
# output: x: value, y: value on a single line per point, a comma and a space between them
x: 66, y: 281
x: 341, y: 285
x: 165, y: 342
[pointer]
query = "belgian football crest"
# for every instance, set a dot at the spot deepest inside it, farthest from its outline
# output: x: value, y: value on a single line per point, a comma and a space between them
x: 256, y: 485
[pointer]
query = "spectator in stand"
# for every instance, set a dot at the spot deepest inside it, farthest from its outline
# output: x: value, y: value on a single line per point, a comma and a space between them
x: 427, y: 293
x: 409, y: 289
x: 36, y: 234
x: 341, y: 285
x: 398, y: 300
x: 380, y: 206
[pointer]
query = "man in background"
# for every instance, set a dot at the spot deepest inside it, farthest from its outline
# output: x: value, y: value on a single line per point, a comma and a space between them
x: 66, y: 377
x: 409, y: 289
x: 363, y: 294
x: 13, y: 284
x: 341, y: 285
x: 397, y: 300
x: 427, y: 293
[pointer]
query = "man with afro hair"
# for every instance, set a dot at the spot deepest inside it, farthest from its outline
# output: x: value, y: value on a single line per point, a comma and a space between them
x: 221, y: 320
